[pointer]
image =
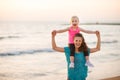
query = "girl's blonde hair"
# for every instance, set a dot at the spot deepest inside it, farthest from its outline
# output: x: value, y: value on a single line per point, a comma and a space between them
x: 75, y: 17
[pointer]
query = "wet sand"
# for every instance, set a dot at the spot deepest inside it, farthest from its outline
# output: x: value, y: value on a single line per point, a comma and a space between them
x: 114, y: 78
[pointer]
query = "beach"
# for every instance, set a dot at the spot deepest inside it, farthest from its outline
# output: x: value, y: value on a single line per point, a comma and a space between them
x: 26, y: 53
x: 114, y: 78
x: 34, y: 67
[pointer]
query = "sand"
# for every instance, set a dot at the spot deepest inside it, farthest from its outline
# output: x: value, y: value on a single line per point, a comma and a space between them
x: 50, y: 66
x: 114, y: 78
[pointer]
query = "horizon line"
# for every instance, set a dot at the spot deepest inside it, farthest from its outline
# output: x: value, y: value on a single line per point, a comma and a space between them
x: 66, y: 23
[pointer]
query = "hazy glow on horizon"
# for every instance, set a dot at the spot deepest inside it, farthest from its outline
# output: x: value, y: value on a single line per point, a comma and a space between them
x: 60, y: 10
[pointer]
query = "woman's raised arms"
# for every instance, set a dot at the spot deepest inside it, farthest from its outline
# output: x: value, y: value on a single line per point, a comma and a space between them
x: 97, y: 48
x: 54, y: 46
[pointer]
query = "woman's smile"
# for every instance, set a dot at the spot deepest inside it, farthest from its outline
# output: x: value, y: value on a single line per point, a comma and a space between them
x: 77, y: 42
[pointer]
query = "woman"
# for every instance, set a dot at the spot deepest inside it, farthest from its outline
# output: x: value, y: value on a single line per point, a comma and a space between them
x: 79, y: 72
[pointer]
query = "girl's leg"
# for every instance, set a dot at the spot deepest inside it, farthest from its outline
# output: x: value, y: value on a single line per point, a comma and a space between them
x: 72, y: 52
x: 72, y: 59
x: 87, y: 58
x: 88, y: 63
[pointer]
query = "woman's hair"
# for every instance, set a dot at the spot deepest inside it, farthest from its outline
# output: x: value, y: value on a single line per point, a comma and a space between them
x: 83, y: 46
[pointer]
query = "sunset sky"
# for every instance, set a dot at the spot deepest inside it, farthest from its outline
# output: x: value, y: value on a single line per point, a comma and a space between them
x: 60, y: 10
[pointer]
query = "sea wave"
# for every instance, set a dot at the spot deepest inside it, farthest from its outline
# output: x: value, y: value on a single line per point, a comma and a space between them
x: 105, y: 42
x: 32, y: 51
x: 9, y: 37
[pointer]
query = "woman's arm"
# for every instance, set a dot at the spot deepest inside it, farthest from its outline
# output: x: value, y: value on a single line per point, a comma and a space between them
x: 87, y: 31
x: 62, y: 30
x: 54, y: 46
x: 92, y: 50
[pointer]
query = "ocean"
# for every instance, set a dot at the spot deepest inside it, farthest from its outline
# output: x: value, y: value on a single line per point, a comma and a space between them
x: 17, y: 38
x: 34, y: 38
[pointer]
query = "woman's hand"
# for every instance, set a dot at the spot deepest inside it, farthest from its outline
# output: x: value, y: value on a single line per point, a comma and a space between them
x: 54, y: 46
x: 98, y: 34
x: 53, y: 33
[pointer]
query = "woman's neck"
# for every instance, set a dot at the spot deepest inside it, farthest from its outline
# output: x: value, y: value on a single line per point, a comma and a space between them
x: 76, y: 50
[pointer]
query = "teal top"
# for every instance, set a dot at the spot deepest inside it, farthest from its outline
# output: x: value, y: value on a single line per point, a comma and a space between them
x: 79, y: 72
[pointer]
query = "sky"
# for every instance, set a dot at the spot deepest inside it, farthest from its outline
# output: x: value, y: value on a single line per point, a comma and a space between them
x: 60, y: 10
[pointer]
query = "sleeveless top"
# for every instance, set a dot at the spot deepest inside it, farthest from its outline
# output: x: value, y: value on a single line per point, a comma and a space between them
x: 72, y: 33
x: 79, y: 72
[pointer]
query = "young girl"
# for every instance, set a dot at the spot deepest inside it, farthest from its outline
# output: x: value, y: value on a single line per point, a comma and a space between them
x: 72, y: 30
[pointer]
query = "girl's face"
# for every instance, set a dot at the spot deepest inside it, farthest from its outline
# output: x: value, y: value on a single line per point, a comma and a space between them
x: 75, y: 21
x: 77, y: 42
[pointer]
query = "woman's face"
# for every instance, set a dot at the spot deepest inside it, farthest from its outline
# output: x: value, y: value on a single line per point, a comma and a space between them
x: 77, y: 42
x: 75, y: 21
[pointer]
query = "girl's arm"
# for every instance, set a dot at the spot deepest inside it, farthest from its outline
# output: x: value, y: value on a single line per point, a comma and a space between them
x: 87, y: 31
x: 62, y: 30
x: 54, y: 46
x: 97, y: 48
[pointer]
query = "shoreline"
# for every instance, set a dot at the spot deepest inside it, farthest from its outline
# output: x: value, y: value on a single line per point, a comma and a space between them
x: 36, y: 67
x: 112, y: 78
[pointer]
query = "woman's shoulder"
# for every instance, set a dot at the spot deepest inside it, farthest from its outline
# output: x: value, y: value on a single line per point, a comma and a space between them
x: 67, y: 51
x: 66, y: 48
